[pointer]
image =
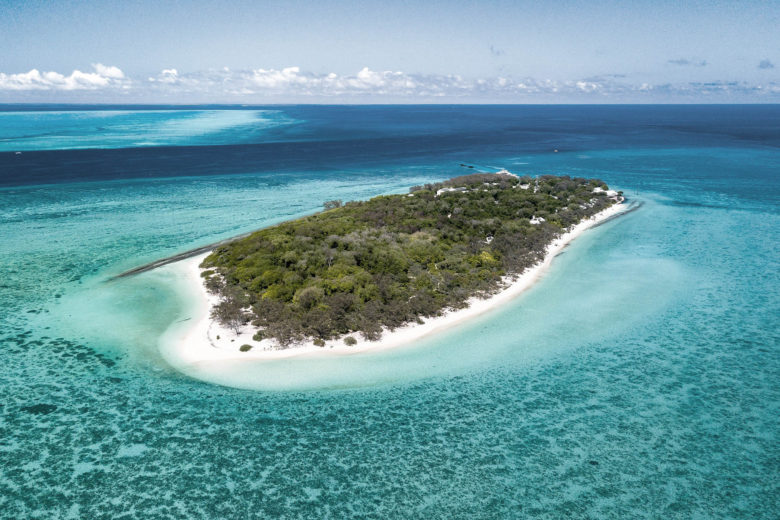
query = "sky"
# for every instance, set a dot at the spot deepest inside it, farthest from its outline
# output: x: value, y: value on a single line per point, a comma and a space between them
x: 342, y: 51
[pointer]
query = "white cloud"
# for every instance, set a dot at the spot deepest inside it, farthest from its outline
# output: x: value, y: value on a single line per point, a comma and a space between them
x: 587, y: 86
x: 102, y: 77
x: 278, y: 79
x: 166, y: 76
x: 291, y: 79
x: 366, y: 82
x: 108, y: 72
x: 365, y: 85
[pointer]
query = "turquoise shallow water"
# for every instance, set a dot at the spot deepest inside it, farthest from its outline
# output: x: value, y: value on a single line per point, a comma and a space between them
x: 73, y: 129
x: 637, y: 379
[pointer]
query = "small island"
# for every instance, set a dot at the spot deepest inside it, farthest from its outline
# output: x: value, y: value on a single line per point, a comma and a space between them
x: 356, y: 271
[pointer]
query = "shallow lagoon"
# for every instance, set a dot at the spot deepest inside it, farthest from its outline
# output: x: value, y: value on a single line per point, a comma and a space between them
x: 638, y: 378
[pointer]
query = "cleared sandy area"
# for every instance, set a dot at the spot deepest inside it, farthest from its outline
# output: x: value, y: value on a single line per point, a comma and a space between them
x: 198, y: 340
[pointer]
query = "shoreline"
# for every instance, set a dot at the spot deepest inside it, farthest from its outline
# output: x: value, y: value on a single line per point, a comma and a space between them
x: 196, y: 339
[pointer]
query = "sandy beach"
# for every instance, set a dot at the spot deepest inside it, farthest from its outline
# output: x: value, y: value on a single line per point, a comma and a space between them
x: 197, y: 340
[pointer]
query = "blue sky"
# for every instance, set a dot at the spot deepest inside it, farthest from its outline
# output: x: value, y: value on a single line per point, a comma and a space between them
x: 238, y: 51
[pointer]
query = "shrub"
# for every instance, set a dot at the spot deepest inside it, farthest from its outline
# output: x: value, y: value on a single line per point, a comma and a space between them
x: 350, y: 341
x: 245, y: 348
x: 258, y: 336
x: 309, y: 296
x: 319, y: 342
x: 214, y: 284
x: 371, y: 330
x: 230, y: 310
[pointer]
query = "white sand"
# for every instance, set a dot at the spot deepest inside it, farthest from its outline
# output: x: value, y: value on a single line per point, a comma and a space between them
x: 198, y: 340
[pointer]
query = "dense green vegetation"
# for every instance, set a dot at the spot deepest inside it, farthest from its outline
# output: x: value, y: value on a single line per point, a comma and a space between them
x: 391, y: 260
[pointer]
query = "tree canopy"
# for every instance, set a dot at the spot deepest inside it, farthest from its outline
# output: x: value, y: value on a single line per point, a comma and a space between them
x: 361, y: 266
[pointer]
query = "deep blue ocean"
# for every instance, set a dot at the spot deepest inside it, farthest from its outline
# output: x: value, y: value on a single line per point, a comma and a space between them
x: 640, y: 378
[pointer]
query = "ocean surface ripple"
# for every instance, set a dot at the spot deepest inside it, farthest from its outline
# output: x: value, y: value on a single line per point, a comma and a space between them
x: 637, y: 379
